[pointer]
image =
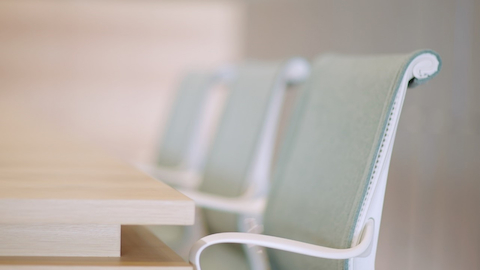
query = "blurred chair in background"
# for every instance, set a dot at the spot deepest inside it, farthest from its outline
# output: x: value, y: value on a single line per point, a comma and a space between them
x: 188, y: 133
x: 239, y: 161
x: 328, y: 189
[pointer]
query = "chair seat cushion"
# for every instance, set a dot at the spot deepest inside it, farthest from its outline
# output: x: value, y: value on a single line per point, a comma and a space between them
x: 224, y: 256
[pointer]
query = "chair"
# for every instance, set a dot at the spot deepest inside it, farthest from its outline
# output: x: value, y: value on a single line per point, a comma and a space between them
x: 242, y: 149
x: 324, y: 207
x: 185, y: 143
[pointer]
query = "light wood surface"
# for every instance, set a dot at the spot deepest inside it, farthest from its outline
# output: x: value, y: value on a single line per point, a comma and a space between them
x: 60, y: 240
x: 140, y: 250
x: 48, y: 176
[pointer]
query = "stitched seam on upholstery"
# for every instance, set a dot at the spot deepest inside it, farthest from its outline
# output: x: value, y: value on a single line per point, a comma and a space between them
x: 399, y: 76
x: 372, y: 171
x: 348, y: 262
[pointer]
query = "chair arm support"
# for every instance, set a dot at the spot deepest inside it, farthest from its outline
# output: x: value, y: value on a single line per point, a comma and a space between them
x: 176, y: 177
x: 238, y: 205
x: 285, y: 244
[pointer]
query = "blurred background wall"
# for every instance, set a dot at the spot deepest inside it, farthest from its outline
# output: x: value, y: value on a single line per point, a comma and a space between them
x: 107, y: 70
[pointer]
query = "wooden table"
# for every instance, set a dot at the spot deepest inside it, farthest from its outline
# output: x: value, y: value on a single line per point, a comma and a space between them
x: 66, y: 204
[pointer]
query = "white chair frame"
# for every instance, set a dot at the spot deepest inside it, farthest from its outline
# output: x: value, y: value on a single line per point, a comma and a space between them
x: 361, y: 254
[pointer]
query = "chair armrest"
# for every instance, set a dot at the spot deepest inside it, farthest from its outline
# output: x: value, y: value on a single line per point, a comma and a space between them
x: 239, y: 205
x: 361, y: 249
x: 176, y: 177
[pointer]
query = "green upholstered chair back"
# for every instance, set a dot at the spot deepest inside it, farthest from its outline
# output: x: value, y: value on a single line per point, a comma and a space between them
x: 330, y: 154
x: 184, y: 118
x: 234, y: 147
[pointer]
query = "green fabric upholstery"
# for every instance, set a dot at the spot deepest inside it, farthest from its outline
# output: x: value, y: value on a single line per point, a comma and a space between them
x: 224, y: 257
x: 237, y: 137
x: 328, y: 156
x: 183, y: 118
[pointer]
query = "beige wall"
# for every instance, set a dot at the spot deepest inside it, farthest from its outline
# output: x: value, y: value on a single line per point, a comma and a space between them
x: 107, y: 69
x: 431, y: 216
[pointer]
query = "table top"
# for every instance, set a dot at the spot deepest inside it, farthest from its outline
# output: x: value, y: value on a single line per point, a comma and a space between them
x: 49, y: 176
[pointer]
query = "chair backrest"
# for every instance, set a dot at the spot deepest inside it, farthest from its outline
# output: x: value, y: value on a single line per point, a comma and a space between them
x: 240, y: 156
x: 183, y: 129
x: 332, y: 170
